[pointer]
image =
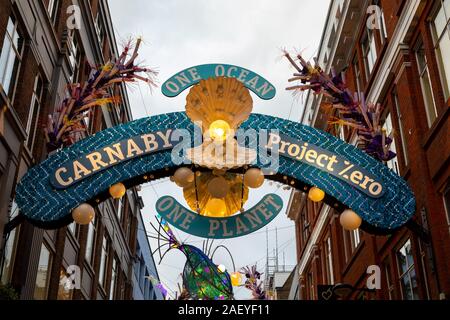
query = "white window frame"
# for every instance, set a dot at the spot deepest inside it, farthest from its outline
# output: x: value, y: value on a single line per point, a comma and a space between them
x: 422, y: 72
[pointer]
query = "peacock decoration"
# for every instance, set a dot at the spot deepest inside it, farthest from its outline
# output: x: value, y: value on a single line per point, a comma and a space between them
x: 202, y: 278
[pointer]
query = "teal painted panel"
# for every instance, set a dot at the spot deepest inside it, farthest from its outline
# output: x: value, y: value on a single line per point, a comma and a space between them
x: 40, y: 202
x: 191, y: 76
x: 220, y: 228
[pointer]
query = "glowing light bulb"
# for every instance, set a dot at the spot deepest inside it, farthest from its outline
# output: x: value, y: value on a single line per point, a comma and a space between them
x: 316, y: 194
x: 221, y: 268
x: 219, y: 130
x: 216, y: 208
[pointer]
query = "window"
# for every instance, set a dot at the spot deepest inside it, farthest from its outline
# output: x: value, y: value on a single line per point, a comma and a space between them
x: 311, y: 286
x: 407, y: 272
x: 64, y: 293
x: 329, y: 261
x: 446, y: 197
x: 119, y: 209
x: 441, y: 35
x: 11, y: 57
x: 357, y: 75
x: 42, y: 278
x: 388, y: 127
x: 90, y: 242
x: 113, y: 279
x: 52, y: 9
x: 389, y: 283
x: 425, y: 83
x: 10, y: 248
x: 306, y: 227
x: 103, y: 262
x: 100, y: 27
x: 355, y: 238
x: 402, y: 129
x: 33, y: 114
x: 369, y: 50
x: 74, y: 56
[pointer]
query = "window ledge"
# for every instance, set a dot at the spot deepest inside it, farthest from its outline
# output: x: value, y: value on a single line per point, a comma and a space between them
x: 353, y: 257
x: 437, y: 125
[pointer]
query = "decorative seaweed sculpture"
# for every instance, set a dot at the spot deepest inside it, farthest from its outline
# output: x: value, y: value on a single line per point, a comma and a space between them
x: 64, y: 127
x: 201, y: 277
x: 352, y: 109
x: 253, y: 282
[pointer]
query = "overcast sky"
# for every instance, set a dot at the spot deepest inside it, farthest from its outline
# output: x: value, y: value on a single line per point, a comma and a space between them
x: 182, y: 33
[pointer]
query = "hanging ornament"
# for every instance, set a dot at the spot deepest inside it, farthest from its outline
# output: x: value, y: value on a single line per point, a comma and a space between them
x: 218, y: 187
x: 254, y: 178
x: 221, y: 268
x: 117, y: 190
x: 350, y: 220
x: 83, y: 214
x: 315, y: 194
x: 184, y: 177
x: 236, y: 278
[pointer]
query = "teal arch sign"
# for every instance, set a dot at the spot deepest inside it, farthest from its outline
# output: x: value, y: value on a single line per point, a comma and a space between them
x: 49, y: 205
x: 220, y: 228
x: 191, y: 76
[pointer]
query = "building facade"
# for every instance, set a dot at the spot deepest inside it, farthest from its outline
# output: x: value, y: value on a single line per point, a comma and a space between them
x: 396, y: 53
x: 45, y: 45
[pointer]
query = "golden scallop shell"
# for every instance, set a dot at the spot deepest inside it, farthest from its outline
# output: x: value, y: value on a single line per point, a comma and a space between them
x: 219, y: 98
x: 235, y: 198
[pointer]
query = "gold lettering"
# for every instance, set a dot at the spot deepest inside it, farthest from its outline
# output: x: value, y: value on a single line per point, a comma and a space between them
x: 291, y: 151
x: 114, y: 154
x: 96, y: 161
x: 273, y: 139
x: 150, y: 142
x: 79, y: 169
x: 302, y: 154
x: 166, y: 138
x: 311, y: 156
x: 133, y: 148
x: 356, y: 177
x: 366, y: 181
x: 319, y: 160
x: 60, y: 179
x: 331, y: 162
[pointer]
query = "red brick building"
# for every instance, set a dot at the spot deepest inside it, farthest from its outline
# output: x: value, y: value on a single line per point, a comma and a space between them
x: 399, y: 57
x: 42, y: 50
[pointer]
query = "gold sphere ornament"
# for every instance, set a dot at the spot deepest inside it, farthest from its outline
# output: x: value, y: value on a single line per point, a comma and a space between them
x: 315, y: 194
x: 184, y: 177
x: 219, y: 130
x: 236, y: 279
x: 254, y: 178
x: 215, y: 208
x: 83, y: 214
x: 218, y: 187
x: 350, y: 220
x: 117, y: 190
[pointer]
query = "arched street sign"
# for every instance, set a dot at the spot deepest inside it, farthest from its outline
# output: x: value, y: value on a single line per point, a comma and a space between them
x: 220, y: 228
x: 128, y: 153
x: 191, y: 76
